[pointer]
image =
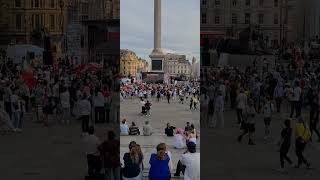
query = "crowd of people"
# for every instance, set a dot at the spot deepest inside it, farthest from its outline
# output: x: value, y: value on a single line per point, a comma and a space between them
x: 160, y: 161
x: 57, y: 94
x: 267, y: 91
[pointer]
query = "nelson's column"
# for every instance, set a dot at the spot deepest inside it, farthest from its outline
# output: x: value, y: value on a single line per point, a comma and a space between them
x: 157, y: 56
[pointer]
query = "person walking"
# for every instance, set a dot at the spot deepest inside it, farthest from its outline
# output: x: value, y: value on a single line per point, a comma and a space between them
x: 296, y: 102
x: 278, y: 95
x: 85, y: 111
x: 285, y: 144
x: 241, y: 105
x: 303, y: 136
x: 248, y: 124
x: 267, y: 111
x: 218, y: 111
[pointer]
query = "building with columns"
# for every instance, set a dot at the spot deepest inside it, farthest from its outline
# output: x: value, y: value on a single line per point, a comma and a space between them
x: 277, y: 19
x: 177, y: 65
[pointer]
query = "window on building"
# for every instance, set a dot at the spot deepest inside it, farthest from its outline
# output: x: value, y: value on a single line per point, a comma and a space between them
x: 204, y: 18
x: 217, y: 19
x: 52, y: 22
x: 82, y: 41
x: 247, y: 18
x: 37, y: 20
x: 234, y: 18
x: 275, y: 19
x: 204, y: 2
x: 261, y: 2
x: 18, y: 3
x: 247, y: 2
x: 52, y: 3
x: 234, y: 2
x: 261, y: 18
x: 276, y: 2
x: 18, y: 21
x: 36, y: 3
x: 217, y: 2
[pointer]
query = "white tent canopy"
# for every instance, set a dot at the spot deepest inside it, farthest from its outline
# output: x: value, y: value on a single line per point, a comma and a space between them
x: 18, y: 52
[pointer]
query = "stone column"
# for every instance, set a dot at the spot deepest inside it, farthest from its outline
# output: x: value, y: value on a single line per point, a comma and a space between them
x: 157, y: 26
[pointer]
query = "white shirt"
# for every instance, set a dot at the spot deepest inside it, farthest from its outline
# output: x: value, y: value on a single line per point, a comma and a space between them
x: 192, y: 163
x: 179, y: 141
x: 124, y: 129
x: 91, y: 143
x: 84, y: 107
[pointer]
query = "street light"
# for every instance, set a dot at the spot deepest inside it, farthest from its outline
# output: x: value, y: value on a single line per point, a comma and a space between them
x: 61, y: 5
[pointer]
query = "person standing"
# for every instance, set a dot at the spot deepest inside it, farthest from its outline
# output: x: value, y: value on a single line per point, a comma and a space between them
x: 241, y: 105
x: 168, y: 96
x: 91, y: 144
x: 285, y: 144
x: 65, y: 104
x: 85, y: 111
x: 17, y: 110
x: 99, y: 111
x: 303, y: 136
x: 248, y: 124
x: 278, y: 95
x: 218, y: 111
x: 110, y: 155
x: 267, y: 111
x: 296, y: 104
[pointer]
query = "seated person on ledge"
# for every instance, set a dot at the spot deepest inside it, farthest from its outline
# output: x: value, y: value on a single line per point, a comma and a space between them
x: 133, y: 129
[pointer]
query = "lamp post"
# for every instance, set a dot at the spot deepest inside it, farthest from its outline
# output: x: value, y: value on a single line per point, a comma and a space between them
x: 61, y: 5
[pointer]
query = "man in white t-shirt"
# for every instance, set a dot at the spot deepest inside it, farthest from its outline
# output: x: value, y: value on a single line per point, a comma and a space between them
x: 91, y: 143
x: 189, y: 163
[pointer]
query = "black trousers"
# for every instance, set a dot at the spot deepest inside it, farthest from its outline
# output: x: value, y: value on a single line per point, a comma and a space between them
x: 283, y: 154
x: 180, y: 168
x: 295, y: 107
x: 300, y: 146
x: 239, y: 115
x: 85, y: 123
x: 94, y: 164
x: 278, y: 103
x: 99, y: 114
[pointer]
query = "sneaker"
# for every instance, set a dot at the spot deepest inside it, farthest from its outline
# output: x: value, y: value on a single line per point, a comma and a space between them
x: 176, y: 175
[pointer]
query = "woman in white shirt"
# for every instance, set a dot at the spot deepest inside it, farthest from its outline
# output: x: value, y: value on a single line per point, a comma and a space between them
x: 179, y: 139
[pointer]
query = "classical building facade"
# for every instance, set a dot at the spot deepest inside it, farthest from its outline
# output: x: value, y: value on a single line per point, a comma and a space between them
x: 277, y: 19
x: 131, y: 64
x: 103, y: 30
x: 176, y: 65
x: 28, y: 21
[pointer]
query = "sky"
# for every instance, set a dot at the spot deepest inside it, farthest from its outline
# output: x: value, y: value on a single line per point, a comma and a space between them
x: 180, y: 27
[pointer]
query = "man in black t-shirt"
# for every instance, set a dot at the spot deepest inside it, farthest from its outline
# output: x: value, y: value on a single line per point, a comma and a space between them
x: 169, y: 131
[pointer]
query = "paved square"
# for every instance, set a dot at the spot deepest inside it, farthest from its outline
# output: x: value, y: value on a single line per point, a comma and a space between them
x: 161, y: 112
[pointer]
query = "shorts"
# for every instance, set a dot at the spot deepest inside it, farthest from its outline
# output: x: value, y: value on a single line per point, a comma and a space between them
x: 267, y: 121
